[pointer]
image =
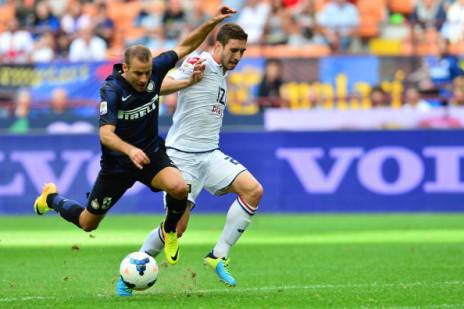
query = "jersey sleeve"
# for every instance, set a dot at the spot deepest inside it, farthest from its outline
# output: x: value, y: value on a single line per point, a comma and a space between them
x: 108, y: 106
x: 163, y: 63
x: 186, y: 69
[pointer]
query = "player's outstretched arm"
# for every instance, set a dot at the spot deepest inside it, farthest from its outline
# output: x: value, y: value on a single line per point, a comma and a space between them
x: 195, y: 74
x: 110, y: 140
x: 195, y: 38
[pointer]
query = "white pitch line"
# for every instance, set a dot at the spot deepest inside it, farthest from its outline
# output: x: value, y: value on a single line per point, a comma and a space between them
x: 431, y: 306
x: 25, y: 298
x: 270, y: 288
x: 322, y: 286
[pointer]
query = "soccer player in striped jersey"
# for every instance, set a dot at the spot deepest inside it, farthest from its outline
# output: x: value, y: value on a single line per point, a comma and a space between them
x: 132, y: 150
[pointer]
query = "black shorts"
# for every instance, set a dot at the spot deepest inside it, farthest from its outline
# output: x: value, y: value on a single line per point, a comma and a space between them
x: 110, y: 187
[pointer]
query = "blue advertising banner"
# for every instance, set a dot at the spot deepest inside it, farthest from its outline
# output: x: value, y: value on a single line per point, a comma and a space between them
x: 80, y: 80
x: 374, y: 171
x: 357, y: 69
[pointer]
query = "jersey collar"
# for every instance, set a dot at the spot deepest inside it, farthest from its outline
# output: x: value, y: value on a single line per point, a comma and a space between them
x: 218, y: 67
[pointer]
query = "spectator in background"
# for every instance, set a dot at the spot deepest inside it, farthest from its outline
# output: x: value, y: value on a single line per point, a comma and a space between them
x: 174, y: 21
x: 413, y: 101
x: 62, y: 42
x: 307, y: 29
x: 150, y: 16
x: 15, y: 44
x: 378, y: 97
x: 441, y: 71
x: 252, y: 17
x: 74, y: 20
x: 62, y: 118
x: 270, y: 87
x: 43, y: 50
x: 59, y: 104
x: 24, y: 13
x: 428, y: 16
x: 61, y: 107
x: 339, y: 21
x: 277, y: 21
x: 196, y: 15
x: 150, y: 19
x: 44, y: 20
x: 58, y: 7
x: 87, y: 47
x: 104, y: 25
x: 294, y: 33
x: 20, y: 123
x: 453, y: 30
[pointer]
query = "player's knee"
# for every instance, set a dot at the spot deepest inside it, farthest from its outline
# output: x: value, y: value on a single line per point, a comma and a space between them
x: 178, y: 190
x: 258, y: 191
x: 253, y: 194
x: 88, y: 226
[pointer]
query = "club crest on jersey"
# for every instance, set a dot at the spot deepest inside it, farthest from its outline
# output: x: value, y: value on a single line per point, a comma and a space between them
x: 94, y: 204
x: 193, y: 60
x: 151, y: 86
x: 103, y: 108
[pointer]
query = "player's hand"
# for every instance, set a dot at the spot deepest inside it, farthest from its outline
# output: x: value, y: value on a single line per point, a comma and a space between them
x: 138, y: 157
x: 223, y: 13
x: 198, y: 71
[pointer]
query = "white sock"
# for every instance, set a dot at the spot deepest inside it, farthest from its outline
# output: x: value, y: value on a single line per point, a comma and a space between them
x: 154, y: 243
x: 237, y: 220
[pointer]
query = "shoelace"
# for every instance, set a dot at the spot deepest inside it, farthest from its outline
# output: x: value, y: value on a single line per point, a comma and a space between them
x: 226, y: 266
x: 170, y: 241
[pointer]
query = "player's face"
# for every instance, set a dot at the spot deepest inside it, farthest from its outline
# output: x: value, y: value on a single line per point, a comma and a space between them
x: 137, y: 73
x: 232, y: 52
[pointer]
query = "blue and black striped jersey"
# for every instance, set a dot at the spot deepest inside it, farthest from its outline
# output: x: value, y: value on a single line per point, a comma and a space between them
x: 135, y: 114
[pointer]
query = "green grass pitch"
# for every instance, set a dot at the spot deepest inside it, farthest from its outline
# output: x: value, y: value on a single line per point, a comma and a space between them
x: 282, y: 261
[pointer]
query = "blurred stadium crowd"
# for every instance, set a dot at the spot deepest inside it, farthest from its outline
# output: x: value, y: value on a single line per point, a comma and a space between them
x: 429, y: 32
x: 45, y: 30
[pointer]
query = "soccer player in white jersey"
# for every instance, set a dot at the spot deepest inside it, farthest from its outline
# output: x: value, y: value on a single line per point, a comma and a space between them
x: 193, y: 145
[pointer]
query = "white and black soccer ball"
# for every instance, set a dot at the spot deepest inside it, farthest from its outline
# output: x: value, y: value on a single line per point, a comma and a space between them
x: 139, y: 271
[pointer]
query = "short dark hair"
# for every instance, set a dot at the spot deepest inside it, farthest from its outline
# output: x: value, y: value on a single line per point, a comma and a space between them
x: 137, y: 51
x: 231, y: 31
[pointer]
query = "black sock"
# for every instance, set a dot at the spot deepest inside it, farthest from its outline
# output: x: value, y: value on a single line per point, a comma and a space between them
x: 68, y: 209
x: 211, y: 255
x: 175, y: 211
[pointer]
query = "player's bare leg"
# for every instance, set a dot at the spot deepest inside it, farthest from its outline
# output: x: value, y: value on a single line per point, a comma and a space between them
x: 89, y: 221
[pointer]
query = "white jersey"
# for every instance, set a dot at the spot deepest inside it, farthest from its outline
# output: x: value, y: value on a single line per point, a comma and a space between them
x: 200, y: 108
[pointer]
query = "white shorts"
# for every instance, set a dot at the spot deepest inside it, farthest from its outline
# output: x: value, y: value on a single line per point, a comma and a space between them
x: 214, y: 171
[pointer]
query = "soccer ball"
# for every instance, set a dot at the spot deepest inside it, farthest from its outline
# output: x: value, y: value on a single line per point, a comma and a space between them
x: 139, y: 271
